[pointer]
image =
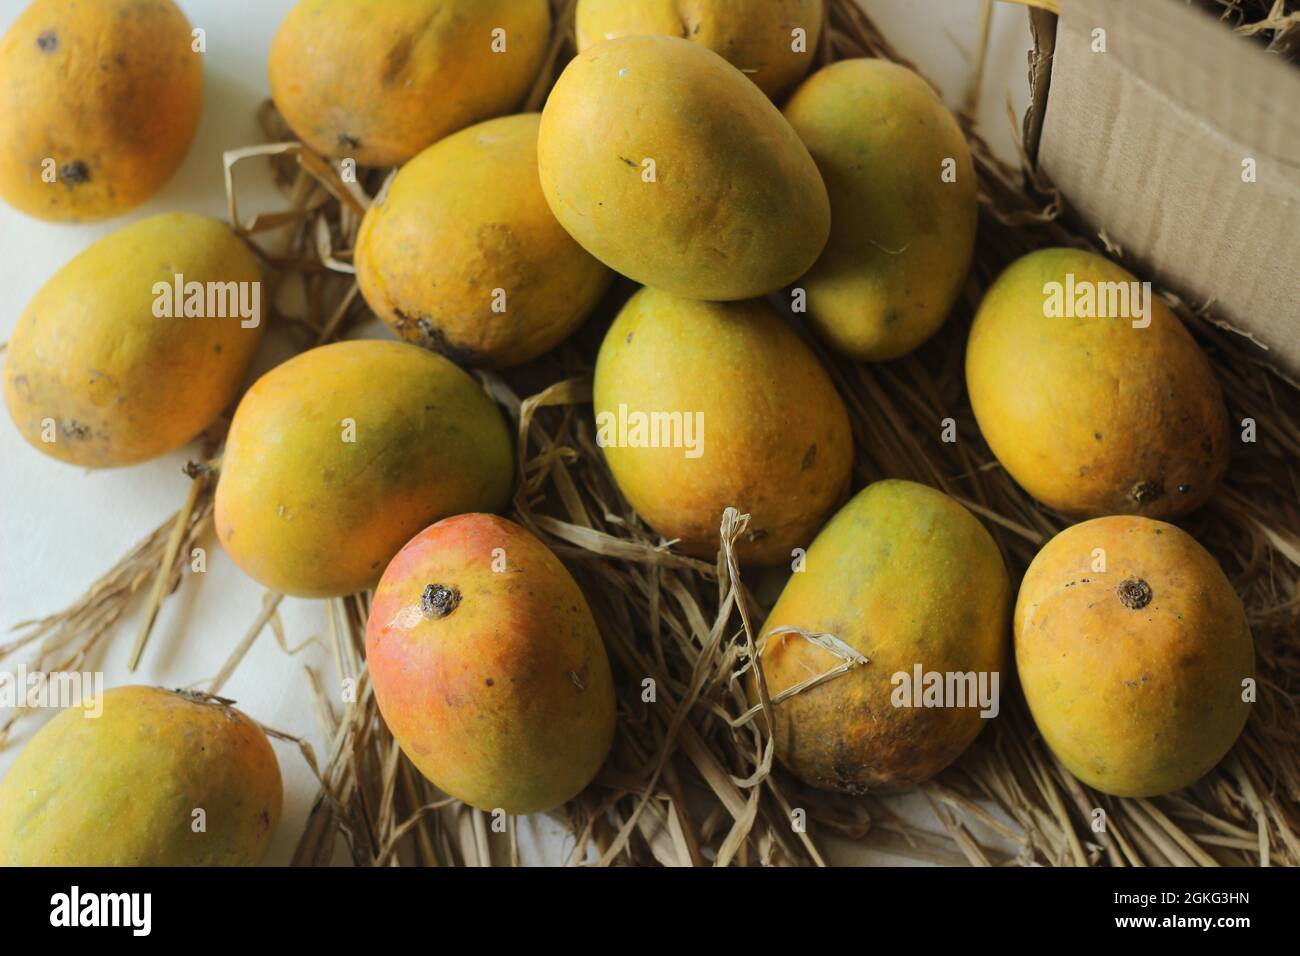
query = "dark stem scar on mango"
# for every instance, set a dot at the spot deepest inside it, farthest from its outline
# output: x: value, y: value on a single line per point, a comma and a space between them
x: 74, y: 173
x: 1134, y: 593
x: 48, y: 41
x: 1148, y: 491
x: 439, y: 600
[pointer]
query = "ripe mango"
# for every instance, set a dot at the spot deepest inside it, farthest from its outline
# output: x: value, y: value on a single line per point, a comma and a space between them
x: 488, y: 667
x: 379, y: 80
x: 666, y: 165
x: 757, y: 37
x: 908, y: 578
x: 1133, y: 672
x: 158, y: 778
x: 338, y: 456
x: 463, y: 255
x: 98, y: 105
x: 1094, y: 416
x: 903, y: 206
x: 749, y: 418
x: 106, y: 365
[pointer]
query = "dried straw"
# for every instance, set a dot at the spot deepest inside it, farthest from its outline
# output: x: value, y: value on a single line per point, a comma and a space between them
x: 692, y: 778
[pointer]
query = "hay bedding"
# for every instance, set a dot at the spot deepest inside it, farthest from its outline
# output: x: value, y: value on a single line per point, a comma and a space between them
x: 692, y: 778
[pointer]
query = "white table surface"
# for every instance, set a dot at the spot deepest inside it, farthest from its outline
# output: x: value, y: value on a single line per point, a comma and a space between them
x: 61, y: 526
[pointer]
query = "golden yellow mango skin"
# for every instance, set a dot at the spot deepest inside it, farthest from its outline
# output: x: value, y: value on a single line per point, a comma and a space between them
x: 488, y: 667
x: 736, y: 208
x: 379, y: 80
x: 462, y: 220
x: 111, y: 91
x: 305, y: 511
x: 119, y: 384
x: 121, y: 788
x: 1134, y: 673
x: 904, y: 575
x: 755, y: 36
x: 777, y: 442
x: 1092, y: 416
x: 901, y: 237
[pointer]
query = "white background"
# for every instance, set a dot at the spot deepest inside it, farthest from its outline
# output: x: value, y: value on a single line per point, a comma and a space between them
x: 61, y: 527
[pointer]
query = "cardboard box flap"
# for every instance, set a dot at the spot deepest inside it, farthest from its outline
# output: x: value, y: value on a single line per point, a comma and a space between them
x: 1179, y: 142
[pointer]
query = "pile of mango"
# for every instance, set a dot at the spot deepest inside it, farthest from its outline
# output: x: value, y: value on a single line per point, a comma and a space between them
x: 689, y: 147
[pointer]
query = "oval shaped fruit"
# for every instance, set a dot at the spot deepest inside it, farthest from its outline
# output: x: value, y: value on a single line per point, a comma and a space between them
x: 701, y: 406
x: 666, y: 165
x: 903, y: 206
x: 137, y: 345
x: 117, y: 780
x: 488, y: 667
x: 99, y: 103
x: 338, y: 456
x: 379, y: 80
x: 1094, y: 415
x: 1133, y: 673
x: 463, y: 255
x: 772, y: 41
x: 910, y: 579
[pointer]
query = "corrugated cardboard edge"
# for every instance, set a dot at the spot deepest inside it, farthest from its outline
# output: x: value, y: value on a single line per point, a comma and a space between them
x: 1246, y: 278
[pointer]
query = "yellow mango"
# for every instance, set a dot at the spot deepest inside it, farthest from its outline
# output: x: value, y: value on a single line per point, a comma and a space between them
x: 1094, y: 415
x: 463, y: 256
x: 98, y: 105
x: 338, y: 456
x: 124, y: 779
x: 665, y: 164
x: 903, y: 206
x: 109, y: 365
x: 910, y: 580
x: 705, y: 405
x: 379, y: 80
x: 773, y: 42
x: 1133, y: 650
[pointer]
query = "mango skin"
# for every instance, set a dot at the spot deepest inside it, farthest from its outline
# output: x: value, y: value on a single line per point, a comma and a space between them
x: 1092, y: 416
x: 121, y: 384
x: 379, y: 80
x: 305, y: 512
x: 1133, y: 674
x: 121, y: 789
x: 777, y: 441
x: 504, y: 701
x: 464, y: 218
x: 755, y: 36
x: 901, y: 238
x: 112, y: 91
x: 737, y: 208
x: 904, y: 575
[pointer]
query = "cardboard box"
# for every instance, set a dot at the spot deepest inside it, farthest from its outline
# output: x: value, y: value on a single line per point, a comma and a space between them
x: 1178, y: 143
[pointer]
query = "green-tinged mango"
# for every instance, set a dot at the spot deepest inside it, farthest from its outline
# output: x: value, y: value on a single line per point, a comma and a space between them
x: 338, y: 456
x: 773, y: 42
x: 379, y: 80
x: 665, y: 163
x: 1090, y: 391
x: 488, y: 667
x: 1134, y: 654
x: 909, y: 579
x: 99, y: 103
x: 138, y: 344
x: 701, y: 406
x: 903, y: 206
x: 126, y: 778
x: 463, y: 256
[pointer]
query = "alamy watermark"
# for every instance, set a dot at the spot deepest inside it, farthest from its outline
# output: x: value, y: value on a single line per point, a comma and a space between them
x: 179, y: 299
x: 922, y: 688
x: 61, y: 689
x: 633, y: 429
x: 1085, y: 299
